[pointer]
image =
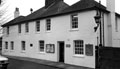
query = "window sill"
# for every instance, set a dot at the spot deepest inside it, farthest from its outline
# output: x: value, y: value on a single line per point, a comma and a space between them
x: 74, y: 29
x: 22, y: 51
x: 37, y: 32
x: 79, y: 56
x: 26, y: 33
x: 48, y: 31
x: 41, y: 53
x: 12, y: 51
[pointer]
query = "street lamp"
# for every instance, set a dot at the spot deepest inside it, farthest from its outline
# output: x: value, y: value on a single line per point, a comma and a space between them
x: 97, y: 18
x: 98, y: 22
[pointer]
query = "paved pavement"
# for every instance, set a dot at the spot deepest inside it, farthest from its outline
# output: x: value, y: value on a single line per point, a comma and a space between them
x: 42, y: 63
x: 21, y: 64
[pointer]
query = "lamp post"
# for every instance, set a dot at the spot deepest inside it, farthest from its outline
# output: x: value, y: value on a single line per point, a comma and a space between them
x: 98, y: 22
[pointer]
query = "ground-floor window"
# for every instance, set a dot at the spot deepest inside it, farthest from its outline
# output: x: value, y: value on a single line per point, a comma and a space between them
x: 23, y: 45
x: 41, y: 46
x: 6, y: 45
x: 78, y: 47
x: 12, y: 45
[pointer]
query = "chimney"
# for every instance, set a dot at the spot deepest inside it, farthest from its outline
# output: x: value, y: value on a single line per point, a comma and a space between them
x: 31, y: 10
x: 16, y: 13
x: 111, y: 22
x: 49, y: 2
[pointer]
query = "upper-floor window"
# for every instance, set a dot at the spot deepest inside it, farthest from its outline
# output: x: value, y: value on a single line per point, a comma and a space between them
x: 41, y: 45
x: 37, y: 26
x: 26, y: 27
x: 78, y: 47
x: 74, y: 23
x: 19, y: 28
x: 48, y: 24
x: 8, y: 30
x: 12, y: 45
x: 6, y: 45
x: 23, y: 45
x: 116, y: 24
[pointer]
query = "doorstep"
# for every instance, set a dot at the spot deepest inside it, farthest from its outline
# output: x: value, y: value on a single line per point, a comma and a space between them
x: 49, y: 63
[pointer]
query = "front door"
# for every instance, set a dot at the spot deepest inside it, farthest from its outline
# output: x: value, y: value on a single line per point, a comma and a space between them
x: 61, y: 51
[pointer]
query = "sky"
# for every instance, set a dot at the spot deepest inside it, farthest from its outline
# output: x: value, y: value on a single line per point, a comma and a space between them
x: 25, y: 5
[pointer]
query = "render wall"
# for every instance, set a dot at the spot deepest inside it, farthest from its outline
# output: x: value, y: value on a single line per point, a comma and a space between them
x: 60, y: 31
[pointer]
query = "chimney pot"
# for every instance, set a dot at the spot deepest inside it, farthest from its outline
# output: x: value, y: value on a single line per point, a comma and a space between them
x: 31, y: 10
x: 16, y: 13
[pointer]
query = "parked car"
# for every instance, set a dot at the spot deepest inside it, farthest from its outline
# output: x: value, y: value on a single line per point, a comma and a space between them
x: 3, y: 62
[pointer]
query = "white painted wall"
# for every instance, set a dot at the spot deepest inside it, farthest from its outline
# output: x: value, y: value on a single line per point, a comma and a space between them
x: 60, y: 31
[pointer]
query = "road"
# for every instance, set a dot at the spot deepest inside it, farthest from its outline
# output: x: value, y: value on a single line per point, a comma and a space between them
x: 21, y: 64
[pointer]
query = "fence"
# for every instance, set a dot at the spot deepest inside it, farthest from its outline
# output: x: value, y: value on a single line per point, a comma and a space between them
x: 109, y: 58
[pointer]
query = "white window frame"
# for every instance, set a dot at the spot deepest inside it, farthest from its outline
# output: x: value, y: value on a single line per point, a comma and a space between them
x: 37, y: 26
x: 48, y: 24
x: 6, y: 45
x: 12, y: 45
x: 23, y: 45
x: 27, y: 27
x: 43, y: 45
x: 8, y: 30
x: 74, y: 21
x: 79, y: 53
x: 19, y: 28
x: 116, y: 24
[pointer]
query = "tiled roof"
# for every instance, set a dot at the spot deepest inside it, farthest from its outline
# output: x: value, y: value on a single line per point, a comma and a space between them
x: 84, y: 5
x: 58, y: 8
x: 14, y: 21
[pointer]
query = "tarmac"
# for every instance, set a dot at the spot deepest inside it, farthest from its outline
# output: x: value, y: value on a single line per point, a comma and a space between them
x: 49, y: 63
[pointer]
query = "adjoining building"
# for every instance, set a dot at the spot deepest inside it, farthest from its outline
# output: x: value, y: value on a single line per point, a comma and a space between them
x: 62, y: 33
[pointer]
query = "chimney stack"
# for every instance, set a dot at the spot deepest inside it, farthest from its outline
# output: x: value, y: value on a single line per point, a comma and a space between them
x: 49, y: 2
x: 31, y: 10
x: 16, y: 13
x: 111, y: 22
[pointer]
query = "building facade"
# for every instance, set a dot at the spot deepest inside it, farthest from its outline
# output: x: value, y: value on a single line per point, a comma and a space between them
x: 59, y: 34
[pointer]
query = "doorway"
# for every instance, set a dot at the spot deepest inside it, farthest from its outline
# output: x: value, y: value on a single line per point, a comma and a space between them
x: 61, y: 51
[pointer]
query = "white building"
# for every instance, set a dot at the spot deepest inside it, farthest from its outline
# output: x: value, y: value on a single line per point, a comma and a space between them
x: 61, y: 33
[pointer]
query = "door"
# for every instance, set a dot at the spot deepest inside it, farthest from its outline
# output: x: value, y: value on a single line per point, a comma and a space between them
x: 61, y: 51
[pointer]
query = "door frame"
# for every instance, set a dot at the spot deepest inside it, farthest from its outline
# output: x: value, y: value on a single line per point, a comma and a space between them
x: 58, y: 50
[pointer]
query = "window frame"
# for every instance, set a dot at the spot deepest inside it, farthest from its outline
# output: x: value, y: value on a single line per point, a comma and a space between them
x: 6, y: 45
x: 74, y: 23
x: 116, y: 24
x: 27, y: 27
x: 23, y: 45
x: 43, y: 46
x: 77, y: 53
x: 37, y: 26
x: 48, y: 24
x: 8, y: 30
x: 19, y: 28
x: 12, y: 45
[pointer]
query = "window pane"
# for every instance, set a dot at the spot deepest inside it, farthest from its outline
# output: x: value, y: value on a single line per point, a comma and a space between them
x: 23, y: 45
x: 48, y: 24
x: 74, y: 21
x: 37, y: 26
x: 27, y: 27
x: 79, y: 47
x: 12, y: 45
x: 6, y: 45
x: 19, y: 28
x: 41, y: 46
